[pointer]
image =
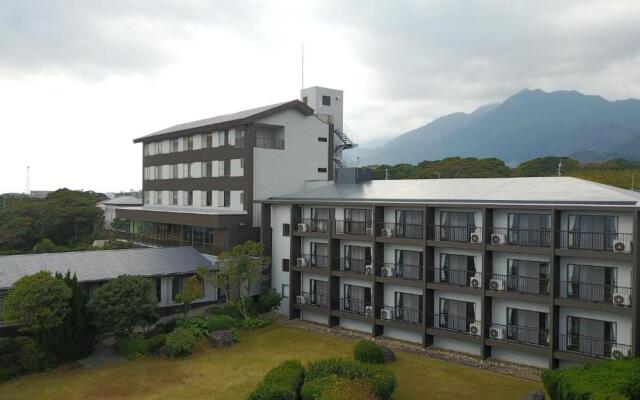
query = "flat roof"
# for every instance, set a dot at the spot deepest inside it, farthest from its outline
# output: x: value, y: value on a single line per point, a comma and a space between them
x: 187, y: 210
x: 538, y: 190
x: 123, y: 200
x: 100, y: 265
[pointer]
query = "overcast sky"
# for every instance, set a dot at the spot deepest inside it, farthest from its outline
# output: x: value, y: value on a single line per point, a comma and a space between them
x: 80, y: 79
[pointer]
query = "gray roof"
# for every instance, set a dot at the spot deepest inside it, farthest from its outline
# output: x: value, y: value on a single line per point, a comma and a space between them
x: 544, y: 190
x: 91, y: 266
x: 239, y: 116
x: 123, y: 200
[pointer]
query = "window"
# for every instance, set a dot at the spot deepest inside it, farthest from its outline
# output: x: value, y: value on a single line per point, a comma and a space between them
x: 319, y: 292
x: 356, y: 258
x: 190, y: 198
x: 208, y: 143
x: 174, y: 169
x: 305, y: 100
x: 326, y: 100
x: 242, y: 197
x: 227, y: 198
x: 206, y: 169
x: 159, y: 197
x: 159, y: 172
x: 189, y: 144
x: 227, y: 168
x: 209, y: 198
x: 174, y: 198
x: 286, y: 229
x: 285, y: 265
x: 322, y: 170
x: 355, y: 298
x: 322, y: 139
x: 239, y: 137
x: 174, y: 145
x: 285, y: 291
x: 179, y: 283
x: 145, y: 195
x: 158, y: 289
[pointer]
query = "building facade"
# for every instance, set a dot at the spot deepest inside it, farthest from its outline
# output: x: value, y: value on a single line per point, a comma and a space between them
x: 538, y: 271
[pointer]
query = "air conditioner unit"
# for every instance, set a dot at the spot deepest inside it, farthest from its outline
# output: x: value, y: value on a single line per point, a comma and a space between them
x: 474, y: 329
x: 368, y: 311
x: 302, y: 227
x: 386, y: 313
x: 498, y: 238
x: 618, y: 352
x: 368, y: 269
x: 476, y: 237
x: 620, y: 299
x: 387, y: 271
x: 476, y: 281
x: 622, y: 246
x: 496, y: 332
x: 496, y: 284
x: 387, y: 232
x: 301, y: 300
x: 301, y: 262
x: 368, y: 231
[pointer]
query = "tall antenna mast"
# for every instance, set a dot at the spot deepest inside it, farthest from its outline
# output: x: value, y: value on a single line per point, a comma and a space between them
x: 27, y: 189
x: 302, y: 69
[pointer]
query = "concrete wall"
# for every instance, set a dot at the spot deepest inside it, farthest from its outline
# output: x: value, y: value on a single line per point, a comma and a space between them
x: 280, y: 249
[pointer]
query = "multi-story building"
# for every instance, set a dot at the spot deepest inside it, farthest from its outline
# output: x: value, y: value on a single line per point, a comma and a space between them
x: 200, y: 178
x: 539, y: 271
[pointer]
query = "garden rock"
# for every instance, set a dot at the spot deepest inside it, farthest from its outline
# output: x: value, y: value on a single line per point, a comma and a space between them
x: 219, y: 339
x: 161, y: 352
x: 535, y: 395
x: 389, y: 355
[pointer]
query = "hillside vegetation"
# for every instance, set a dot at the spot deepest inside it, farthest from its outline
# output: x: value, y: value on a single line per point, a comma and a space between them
x: 618, y: 172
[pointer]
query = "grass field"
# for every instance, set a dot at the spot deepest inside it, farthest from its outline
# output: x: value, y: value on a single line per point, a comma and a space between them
x: 232, y: 373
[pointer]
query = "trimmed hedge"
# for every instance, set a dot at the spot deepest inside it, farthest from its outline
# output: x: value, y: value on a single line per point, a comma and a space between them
x: 202, y: 326
x: 132, y: 347
x: 281, y: 383
x: 368, y: 351
x: 382, y: 380
x: 610, y: 380
x: 179, y: 343
x: 333, y: 387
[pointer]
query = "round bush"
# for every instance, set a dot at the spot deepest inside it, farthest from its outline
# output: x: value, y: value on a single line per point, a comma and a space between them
x: 30, y: 360
x: 382, y: 380
x: 333, y: 387
x: 369, y: 352
x: 281, y: 383
x: 220, y: 322
x: 179, y: 343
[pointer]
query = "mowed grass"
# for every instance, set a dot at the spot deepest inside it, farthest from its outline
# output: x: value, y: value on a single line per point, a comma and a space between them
x: 233, y: 372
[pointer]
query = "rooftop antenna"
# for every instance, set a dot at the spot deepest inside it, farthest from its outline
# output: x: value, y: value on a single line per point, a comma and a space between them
x: 560, y: 168
x: 27, y: 189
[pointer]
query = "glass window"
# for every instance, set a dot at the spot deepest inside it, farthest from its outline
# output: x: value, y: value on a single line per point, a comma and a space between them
x: 326, y: 100
x: 190, y: 198
x: 285, y: 265
x: 286, y: 229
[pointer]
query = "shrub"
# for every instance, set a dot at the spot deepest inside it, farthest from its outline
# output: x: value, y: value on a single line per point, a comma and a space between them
x: 19, y: 355
x: 369, y: 352
x: 136, y: 346
x: 179, y: 343
x: 382, y: 380
x: 220, y: 322
x: 253, y: 323
x: 613, y: 379
x: 202, y: 326
x: 197, y: 326
x: 30, y: 357
x: 333, y: 387
x: 268, y: 301
x: 281, y: 383
x: 226, y: 309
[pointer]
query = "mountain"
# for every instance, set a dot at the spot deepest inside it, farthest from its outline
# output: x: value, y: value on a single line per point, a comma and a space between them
x: 530, y: 124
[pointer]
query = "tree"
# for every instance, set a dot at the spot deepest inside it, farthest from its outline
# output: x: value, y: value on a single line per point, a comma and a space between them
x: 190, y: 293
x: 240, y: 268
x: 124, y: 303
x: 37, y: 303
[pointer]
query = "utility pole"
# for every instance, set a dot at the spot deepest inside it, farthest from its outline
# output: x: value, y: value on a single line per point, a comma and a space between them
x: 560, y: 168
x: 386, y: 173
x: 28, y: 185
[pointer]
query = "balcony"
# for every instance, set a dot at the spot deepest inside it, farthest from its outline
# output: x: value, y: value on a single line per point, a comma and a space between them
x: 166, y: 241
x: 450, y: 233
x: 593, y: 346
x: 457, y: 277
x: 312, y: 225
x: 521, y: 237
x: 312, y: 261
x: 313, y: 299
x: 355, y: 306
x: 354, y: 265
x: 596, y: 241
x: 518, y: 284
x: 353, y: 228
x: 400, y: 271
x: 595, y: 293
x: 264, y: 142
x: 399, y: 230
x: 405, y: 315
x: 456, y: 324
x: 519, y: 334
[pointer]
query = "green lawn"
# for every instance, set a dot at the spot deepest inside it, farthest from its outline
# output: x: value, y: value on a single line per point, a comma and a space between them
x: 232, y: 373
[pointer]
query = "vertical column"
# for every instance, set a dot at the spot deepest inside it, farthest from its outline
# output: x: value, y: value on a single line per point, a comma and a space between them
x: 554, y: 279
x: 428, y: 263
x: 334, y: 281
x: 295, y: 277
x: 635, y: 285
x: 377, y: 254
x: 267, y: 244
x: 487, y: 268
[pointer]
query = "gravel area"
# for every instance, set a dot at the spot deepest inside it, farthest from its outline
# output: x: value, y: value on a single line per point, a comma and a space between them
x: 499, y: 366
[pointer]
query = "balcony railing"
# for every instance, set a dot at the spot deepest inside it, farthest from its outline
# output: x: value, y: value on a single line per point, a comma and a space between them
x: 354, y: 265
x: 314, y: 299
x: 402, y: 271
x: 593, y: 346
x: 517, y: 283
x: 312, y: 260
x: 269, y: 143
x: 521, y: 237
x: 403, y: 314
x: 456, y: 324
x: 458, y: 233
x: 153, y: 241
x: 595, y: 293
x: 353, y: 228
x: 399, y: 230
x: 598, y: 241
x: 520, y: 334
x: 312, y: 225
x: 356, y: 306
x: 457, y: 277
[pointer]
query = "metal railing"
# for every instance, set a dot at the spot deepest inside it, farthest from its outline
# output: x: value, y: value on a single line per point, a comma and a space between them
x: 593, y: 346
x: 521, y: 237
x: 354, y: 265
x: 399, y: 230
x: 269, y: 143
x: 595, y: 292
x: 356, y: 306
x: 402, y: 271
x: 403, y: 314
x: 312, y: 260
x: 343, y: 227
x: 153, y: 241
x: 517, y: 283
x: 312, y: 225
x: 457, y: 277
x: 456, y: 324
x: 598, y: 241
x: 314, y: 299
x: 519, y: 334
x: 457, y: 233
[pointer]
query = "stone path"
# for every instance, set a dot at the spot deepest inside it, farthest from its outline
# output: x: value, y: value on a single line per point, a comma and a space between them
x: 103, y: 354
